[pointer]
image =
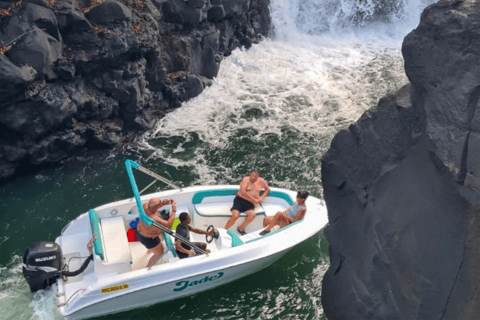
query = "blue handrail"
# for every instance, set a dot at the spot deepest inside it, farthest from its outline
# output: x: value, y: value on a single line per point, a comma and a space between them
x: 129, y: 164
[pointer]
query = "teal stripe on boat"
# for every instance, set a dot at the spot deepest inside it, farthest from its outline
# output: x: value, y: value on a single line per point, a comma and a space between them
x: 276, y: 231
x: 95, y: 225
x: 199, y: 196
x: 281, y: 195
x: 129, y: 164
x: 236, y: 241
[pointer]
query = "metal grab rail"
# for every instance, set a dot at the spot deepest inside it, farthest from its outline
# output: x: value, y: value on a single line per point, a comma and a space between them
x: 159, y: 226
x: 129, y: 164
x: 158, y: 177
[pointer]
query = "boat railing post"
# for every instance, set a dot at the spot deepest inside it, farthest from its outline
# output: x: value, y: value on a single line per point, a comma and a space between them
x: 176, y: 236
x: 158, y: 177
x: 162, y: 255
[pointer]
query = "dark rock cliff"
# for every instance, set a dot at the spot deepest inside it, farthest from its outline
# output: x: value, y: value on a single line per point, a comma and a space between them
x: 79, y: 74
x: 402, y: 185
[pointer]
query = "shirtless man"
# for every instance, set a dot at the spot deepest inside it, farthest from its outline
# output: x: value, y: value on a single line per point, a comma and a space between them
x: 150, y: 236
x: 247, y: 197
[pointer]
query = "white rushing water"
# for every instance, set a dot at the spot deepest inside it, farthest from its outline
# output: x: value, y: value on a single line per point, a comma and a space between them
x: 326, y: 63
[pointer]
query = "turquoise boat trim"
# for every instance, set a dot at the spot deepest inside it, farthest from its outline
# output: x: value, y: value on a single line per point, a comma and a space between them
x: 95, y: 225
x: 129, y: 164
x: 199, y: 196
x: 276, y: 231
x: 168, y: 243
x: 281, y: 195
x: 228, y: 215
x: 236, y: 241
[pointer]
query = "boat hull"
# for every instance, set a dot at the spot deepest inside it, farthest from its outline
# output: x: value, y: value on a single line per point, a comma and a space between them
x: 174, y: 289
x: 119, y: 282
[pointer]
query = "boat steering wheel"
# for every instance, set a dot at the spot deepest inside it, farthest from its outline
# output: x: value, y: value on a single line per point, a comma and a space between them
x: 208, y: 238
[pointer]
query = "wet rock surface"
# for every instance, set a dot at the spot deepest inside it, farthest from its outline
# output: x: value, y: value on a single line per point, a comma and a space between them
x: 402, y: 185
x: 77, y: 75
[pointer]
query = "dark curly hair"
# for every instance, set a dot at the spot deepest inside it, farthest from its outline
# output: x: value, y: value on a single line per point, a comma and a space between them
x: 303, y: 194
x: 183, y: 216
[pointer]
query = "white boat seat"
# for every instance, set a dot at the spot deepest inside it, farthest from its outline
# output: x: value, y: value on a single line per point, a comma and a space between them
x: 111, y: 245
x: 271, y: 209
x: 217, y: 203
x: 222, y: 209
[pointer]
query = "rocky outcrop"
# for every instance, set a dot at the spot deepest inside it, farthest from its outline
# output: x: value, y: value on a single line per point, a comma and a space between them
x: 85, y: 74
x: 402, y: 185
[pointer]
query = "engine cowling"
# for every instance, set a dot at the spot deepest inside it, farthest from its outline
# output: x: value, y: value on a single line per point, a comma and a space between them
x: 42, y: 264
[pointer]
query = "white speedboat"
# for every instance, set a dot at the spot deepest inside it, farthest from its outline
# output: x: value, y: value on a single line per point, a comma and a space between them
x: 114, y: 277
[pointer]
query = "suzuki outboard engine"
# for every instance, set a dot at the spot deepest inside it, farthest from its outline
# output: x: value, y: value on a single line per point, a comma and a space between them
x: 42, y: 264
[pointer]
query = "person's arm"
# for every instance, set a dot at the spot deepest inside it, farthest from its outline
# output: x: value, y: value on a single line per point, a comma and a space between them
x: 178, y: 247
x: 300, y: 214
x: 243, y: 191
x: 166, y: 223
x: 201, y: 231
x: 172, y: 214
x: 267, y: 191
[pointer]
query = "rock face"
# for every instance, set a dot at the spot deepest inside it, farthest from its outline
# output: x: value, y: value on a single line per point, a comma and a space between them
x: 402, y: 185
x: 77, y: 74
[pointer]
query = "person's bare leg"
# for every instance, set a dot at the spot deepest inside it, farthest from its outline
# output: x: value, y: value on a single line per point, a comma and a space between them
x: 249, y: 218
x: 203, y: 246
x: 157, y: 252
x: 267, y: 221
x: 273, y: 222
x: 280, y: 219
x: 233, y: 219
x: 283, y: 221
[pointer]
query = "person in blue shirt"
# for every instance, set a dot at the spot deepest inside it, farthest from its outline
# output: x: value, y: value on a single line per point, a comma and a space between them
x: 284, y: 218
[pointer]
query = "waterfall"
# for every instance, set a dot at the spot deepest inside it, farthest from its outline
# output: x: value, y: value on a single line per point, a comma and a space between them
x: 315, y: 17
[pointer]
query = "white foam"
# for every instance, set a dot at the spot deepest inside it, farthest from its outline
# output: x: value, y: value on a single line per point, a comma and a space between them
x: 316, y: 77
x: 16, y: 300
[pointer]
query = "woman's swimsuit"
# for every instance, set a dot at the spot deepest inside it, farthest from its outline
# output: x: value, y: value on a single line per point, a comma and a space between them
x: 293, y: 210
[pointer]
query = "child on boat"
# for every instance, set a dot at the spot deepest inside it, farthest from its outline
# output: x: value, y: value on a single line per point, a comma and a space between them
x: 183, y: 229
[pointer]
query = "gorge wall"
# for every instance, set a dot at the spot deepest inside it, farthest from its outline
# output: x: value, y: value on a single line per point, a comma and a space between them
x: 82, y: 74
x: 402, y: 185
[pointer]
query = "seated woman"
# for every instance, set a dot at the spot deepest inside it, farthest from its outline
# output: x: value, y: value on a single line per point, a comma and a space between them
x: 183, y: 229
x: 284, y: 218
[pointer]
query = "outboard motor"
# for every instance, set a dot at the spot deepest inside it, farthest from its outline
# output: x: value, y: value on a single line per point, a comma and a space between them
x: 42, y: 264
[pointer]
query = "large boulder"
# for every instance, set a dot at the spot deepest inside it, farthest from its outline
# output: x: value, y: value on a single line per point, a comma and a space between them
x: 38, y: 50
x: 402, y: 185
x: 85, y: 74
x: 109, y: 12
x: 441, y: 61
x: 13, y: 78
x: 235, y: 7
